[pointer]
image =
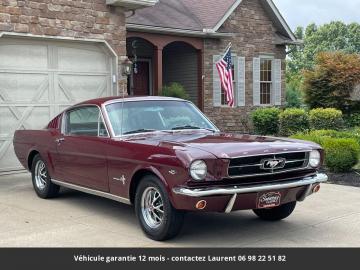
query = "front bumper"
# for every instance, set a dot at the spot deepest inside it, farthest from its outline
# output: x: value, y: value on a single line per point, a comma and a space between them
x: 303, y: 188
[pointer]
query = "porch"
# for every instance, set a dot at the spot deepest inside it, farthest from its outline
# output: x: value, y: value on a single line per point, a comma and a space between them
x: 160, y: 60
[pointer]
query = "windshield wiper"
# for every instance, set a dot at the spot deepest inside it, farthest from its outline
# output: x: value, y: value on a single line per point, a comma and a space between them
x: 191, y: 127
x: 143, y: 130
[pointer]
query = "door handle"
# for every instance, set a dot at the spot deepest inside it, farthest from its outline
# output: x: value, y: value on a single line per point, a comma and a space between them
x: 60, y: 140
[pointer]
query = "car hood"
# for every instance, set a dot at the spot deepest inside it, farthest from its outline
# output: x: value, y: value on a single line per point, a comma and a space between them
x: 224, y: 145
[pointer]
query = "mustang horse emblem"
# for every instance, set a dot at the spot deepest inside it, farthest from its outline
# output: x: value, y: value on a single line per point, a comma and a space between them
x: 270, y: 164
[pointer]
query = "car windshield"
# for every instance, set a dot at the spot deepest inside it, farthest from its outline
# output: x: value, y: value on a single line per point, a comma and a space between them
x: 149, y: 116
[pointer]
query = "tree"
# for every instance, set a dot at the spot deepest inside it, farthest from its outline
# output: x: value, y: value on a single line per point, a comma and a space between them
x: 334, y: 36
x: 332, y: 80
x: 294, y: 97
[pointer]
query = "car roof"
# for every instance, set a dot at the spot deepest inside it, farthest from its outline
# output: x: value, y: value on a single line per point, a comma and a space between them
x: 101, y: 101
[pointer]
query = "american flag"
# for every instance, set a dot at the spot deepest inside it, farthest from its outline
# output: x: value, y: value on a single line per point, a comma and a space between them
x: 224, y: 67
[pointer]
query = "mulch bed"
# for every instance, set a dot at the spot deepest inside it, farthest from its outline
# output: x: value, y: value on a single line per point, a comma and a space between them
x: 346, y: 179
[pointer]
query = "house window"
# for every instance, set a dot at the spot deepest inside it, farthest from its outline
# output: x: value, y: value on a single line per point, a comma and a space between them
x: 266, y: 83
x: 223, y: 93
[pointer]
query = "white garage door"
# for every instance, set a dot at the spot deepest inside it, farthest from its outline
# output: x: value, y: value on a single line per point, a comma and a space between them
x: 39, y: 79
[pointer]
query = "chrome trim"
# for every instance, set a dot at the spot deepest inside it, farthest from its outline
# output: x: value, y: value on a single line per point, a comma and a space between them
x: 269, y: 173
x: 306, y: 193
x: 213, y: 191
x: 258, y: 165
x: 230, y: 204
x: 305, y: 165
x: 92, y: 191
x: 64, y: 115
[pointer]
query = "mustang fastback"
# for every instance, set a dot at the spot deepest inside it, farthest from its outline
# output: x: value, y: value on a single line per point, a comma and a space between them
x: 165, y: 157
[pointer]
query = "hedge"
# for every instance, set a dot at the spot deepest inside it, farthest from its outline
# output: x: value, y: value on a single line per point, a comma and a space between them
x: 175, y: 90
x: 326, y: 119
x: 292, y: 121
x: 265, y: 120
x: 341, y: 153
x: 352, y: 120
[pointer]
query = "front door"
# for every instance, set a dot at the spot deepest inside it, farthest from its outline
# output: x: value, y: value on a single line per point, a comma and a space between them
x: 141, y: 79
x: 81, y: 149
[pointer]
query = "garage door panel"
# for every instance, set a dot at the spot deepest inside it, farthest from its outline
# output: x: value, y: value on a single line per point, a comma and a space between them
x: 78, y: 88
x: 13, y: 118
x: 8, y: 159
x: 20, y: 56
x: 39, y: 79
x: 17, y: 117
x: 26, y: 118
x: 20, y: 87
x: 77, y: 59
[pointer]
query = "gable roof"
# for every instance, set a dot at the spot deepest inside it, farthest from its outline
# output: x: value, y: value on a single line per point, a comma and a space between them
x: 199, y: 16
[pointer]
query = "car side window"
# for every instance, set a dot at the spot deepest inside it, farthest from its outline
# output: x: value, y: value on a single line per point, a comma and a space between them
x: 85, y: 121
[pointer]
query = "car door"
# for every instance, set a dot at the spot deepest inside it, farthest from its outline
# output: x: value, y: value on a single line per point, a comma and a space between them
x: 81, y: 148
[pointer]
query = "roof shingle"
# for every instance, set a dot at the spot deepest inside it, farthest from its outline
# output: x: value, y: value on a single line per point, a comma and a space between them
x: 183, y: 14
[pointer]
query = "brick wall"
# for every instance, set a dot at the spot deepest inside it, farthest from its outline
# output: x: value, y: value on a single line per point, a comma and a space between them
x: 91, y: 19
x: 254, y: 35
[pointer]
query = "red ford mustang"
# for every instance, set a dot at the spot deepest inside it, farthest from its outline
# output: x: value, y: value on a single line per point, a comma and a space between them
x: 165, y: 157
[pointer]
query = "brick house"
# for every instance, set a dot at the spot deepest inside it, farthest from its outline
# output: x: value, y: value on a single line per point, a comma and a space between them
x: 54, y: 53
x: 179, y: 41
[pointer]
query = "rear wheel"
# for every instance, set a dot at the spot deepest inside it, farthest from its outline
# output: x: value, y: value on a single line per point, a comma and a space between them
x: 276, y: 213
x: 41, y: 180
x: 157, y: 217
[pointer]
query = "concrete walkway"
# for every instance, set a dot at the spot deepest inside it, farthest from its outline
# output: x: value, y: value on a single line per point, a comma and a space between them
x: 328, y: 219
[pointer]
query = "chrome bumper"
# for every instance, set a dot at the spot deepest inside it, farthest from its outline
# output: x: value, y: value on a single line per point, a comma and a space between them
x: 211, y: 191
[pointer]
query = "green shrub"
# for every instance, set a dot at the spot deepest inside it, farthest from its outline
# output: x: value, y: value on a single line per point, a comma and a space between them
x: 330, y: 82
x: 175, y: 90
x: 341, y: 154
x: 326, y: 119
x: 349, y: 134
x: 293, y: 98
x: 342, y: 149
x: 309, y: 137
x: 292, y: 121
x: 352, y: 120
x: 265, y: 120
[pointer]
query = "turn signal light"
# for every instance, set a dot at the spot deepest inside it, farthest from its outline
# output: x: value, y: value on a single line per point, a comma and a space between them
x: 200, y: 205
x: 316, y: 188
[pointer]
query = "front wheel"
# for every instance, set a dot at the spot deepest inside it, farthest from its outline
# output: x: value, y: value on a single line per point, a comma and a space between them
x: 158, y: 218
x: 276, y: 213
x: 41, y: 180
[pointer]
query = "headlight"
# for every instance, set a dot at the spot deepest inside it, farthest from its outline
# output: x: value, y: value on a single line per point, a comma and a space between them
x: 198, y: 170
x: 314, y: 158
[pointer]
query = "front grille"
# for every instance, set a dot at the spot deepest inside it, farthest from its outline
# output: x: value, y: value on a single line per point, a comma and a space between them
x: 254, y: 165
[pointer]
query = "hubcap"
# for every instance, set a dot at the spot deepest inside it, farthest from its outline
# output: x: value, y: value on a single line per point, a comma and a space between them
x: 40, y: 175
x: 152, y: 207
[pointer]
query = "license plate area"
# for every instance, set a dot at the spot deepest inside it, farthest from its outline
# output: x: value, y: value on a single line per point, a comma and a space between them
x: 268, y: 199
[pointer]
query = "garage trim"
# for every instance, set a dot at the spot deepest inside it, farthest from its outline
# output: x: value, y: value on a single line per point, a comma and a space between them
x: 61, y: 38
x: 113, y: 64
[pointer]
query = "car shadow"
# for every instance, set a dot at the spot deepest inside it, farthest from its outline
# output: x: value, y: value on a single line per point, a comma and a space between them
x: 105, y: 207
x: 201, y: 228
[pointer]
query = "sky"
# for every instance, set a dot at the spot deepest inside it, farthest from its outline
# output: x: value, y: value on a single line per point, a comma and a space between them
x: 304, y: 12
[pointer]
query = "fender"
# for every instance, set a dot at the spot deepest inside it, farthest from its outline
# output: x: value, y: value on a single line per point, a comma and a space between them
x: 155, y: 171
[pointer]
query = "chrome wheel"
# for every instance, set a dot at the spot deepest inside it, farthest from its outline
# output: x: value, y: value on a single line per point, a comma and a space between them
x: 152, y: 207
x: 40, y: 175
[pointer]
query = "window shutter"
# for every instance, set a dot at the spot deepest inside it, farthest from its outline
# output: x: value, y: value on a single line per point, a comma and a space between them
x: 241, y: 69
x: 216, y: 83
x: 256, y: 81
x: 277, y: 81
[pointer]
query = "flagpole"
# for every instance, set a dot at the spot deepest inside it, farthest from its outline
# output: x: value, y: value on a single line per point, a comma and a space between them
x: 228, y: 47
